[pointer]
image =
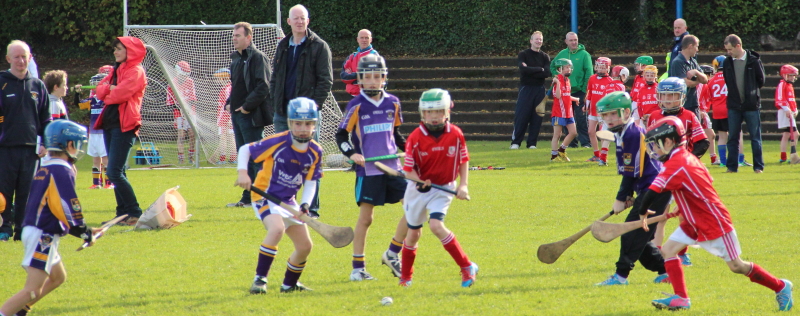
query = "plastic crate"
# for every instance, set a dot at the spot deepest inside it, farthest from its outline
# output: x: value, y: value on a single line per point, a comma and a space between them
x: 147, y: 154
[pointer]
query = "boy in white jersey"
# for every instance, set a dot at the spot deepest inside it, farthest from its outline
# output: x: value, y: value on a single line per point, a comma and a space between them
x: 372, y: 120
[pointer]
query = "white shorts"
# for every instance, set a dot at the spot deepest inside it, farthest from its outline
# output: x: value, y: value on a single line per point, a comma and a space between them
x: 419, y: 206
x: 41, y: 249
x: 97, y: 145
x: 594, y: 118
x: 783, y: 121
x: 182, y: 124
x: 705, y: 120
x: 225, y: 130
x: 271, y: 208
x: 726, y: 247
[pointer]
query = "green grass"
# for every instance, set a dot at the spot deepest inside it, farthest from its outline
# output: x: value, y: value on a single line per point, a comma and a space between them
x: 206, y: 265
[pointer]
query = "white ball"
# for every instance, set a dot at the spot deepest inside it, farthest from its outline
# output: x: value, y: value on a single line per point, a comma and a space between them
x: 386, y: 301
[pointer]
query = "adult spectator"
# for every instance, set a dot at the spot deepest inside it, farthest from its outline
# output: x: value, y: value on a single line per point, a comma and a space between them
x: 248, y: 102
x: 684, y: 66
x: 532, y: 63
x: 24, y: 113
x: 679, y: 29
x: 301, y: 68
x: 122, y: 92
x: 581, y: 71
x: 350, y: 68
x: 744, y: 77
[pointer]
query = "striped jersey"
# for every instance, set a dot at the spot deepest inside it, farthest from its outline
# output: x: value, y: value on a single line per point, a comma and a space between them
x: 188, y: 93
x: 562, y: 107
x: 284, y: 168
x: 784, y: 96
x: 371, y: 126
x: 694, y: 130
x: 436, y: 158
x: 638, y: 83
x: 597, y: 88
x: 715, y: 94
x: 706, y: 218
x: 632, y: 158
x: 53, y: 205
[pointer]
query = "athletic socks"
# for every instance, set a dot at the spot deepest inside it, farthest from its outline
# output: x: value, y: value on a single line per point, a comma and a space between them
x: 604, y: 154
x: 191, y: 154
x: 395, y: 247
x: 597, y: 153
x: 783, y: 155
x: 713, y: 158
x: 563, y: 148
x: 293, y: 272
x: 758, y: 275
x: 407, y: 262
x: 266, y: 254
x: 451, y: 245
x: 97, y: 177
x: 675, y: 272
x: 358, y: 262
x: 723, y: 158
x: 180, y: 157
x: 683, y: 251
x: 741, y: 158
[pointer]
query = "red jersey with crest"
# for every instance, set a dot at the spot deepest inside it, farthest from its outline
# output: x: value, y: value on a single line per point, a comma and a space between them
x: 597, y: 88
x: 702, y: 102
x: 784, y: 96
x: 706, y: 218
x: 562, y: 107
x: 645, y: 99
x: 436, y: 158
x: 616, y: 85
x: 692, y: 125
x: 715, y: 94
x: 187, y: 92
x: 638, y: 83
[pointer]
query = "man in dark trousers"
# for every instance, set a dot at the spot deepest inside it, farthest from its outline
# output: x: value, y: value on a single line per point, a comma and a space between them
x: 533, y: 66
x: 248, y: 102
x: 301, y: 68
x: 684, y: 66
x: 24, y: 113
x: 744, y: 77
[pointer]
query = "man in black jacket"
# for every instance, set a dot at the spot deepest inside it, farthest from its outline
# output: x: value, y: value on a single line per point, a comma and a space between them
x: 249, y: 98
x: 744, y: 77
x: 301, y: 68
x: 24, y: 113
x: 533, y: 66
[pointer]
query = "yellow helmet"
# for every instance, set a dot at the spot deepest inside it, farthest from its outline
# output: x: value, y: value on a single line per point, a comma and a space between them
x: 651, y: 68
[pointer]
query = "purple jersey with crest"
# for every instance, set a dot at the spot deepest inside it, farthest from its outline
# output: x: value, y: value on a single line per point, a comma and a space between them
x: 53, y: 205
x: 371, y: 126
x: 95, y: 108
x: 632, y: 157
x: 283, y: 167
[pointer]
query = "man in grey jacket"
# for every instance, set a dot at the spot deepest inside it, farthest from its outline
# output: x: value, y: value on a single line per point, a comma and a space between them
x: 301, y: 68
x: 249, y: 98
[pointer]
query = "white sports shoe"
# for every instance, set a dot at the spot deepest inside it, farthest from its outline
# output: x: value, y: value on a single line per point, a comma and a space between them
x: 360, y: 275
x: 531, y: 147
x: 514, y: 146
x: 392, y: 262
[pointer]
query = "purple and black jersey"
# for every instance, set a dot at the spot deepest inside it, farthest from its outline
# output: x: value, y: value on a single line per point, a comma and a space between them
x: 632, y: 158
x: 371, y: 126
x: 95, y: 110
x: 284, y: 168
x: 53, y: 205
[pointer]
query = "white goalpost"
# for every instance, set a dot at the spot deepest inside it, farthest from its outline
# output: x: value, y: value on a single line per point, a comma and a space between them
x: 193, y: 120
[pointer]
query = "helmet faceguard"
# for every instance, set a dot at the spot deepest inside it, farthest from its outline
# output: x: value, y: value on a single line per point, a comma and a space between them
x: 789, y: 73
x: 372, y: 74
x: 60, y: 133
x: 435, y: 100
x: 666, y: 128
x: 650, y: 74
x: 615, y: 102
x: 671, y: 95
x: 302, y: 109
x: 564, y: 66
x: 602, y: 66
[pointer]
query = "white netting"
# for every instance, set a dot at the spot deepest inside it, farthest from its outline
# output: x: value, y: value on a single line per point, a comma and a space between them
x: 206, y: 52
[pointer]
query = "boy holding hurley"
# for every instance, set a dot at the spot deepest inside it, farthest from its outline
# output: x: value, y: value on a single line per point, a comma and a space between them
x: 437, y: 154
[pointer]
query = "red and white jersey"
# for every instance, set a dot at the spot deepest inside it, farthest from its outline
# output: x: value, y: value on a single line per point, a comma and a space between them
x: 187, y: 92
x: 784, y: 96
x: 638, y: 83
x: 597, y: 88
x: 562, y: 107
x: 223, y: 117
x: 436, y: 158
x: 645, y: 99
x: 691, y: 186
x: 690, y: 122
x: 715, y: 95
x: 702, y: 102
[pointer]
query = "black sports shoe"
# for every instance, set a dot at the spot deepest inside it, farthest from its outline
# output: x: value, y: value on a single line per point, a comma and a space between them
x: 299, y: 287
x: 259, y: 286
x: 313, y: 214
x: 239, y: 204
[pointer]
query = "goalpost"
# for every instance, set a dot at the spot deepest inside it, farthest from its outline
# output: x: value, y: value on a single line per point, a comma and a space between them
x: 206, y: 49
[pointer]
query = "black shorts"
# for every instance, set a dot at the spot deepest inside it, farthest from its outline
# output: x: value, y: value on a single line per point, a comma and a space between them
x: 379, y: 190
x: 719, y: 125
x: 785, y: 130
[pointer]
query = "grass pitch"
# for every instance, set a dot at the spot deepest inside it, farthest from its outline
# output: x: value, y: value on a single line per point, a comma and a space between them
x: 206, y: 265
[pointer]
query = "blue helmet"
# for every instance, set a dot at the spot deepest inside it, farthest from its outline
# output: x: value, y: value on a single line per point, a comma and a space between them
x: 671, y: 85
x: 301, y: 109
x: 59, y: 133
x: 718, y: 61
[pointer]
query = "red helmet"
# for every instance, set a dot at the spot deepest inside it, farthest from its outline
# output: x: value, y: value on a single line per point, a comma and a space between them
x: 604, y: 60
x: 788, y: 70
x: 618, y: 71
x: 183, y: 68
x: 107, y: 69
x: 666, y: 127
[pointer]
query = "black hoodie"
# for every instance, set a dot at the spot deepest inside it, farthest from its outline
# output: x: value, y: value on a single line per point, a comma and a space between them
x: 24, y: 110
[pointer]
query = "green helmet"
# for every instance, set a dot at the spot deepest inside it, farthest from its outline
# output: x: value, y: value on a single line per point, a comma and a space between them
x: 432, y: 100
x: 644, y: 60
x: 562, y: 62
x: 614, y: 101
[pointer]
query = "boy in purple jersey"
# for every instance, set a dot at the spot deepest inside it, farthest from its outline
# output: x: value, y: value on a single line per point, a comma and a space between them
x: 290, y: 159
x: 53, y: 211
x: 372, y: 123
x: 638, y: 170
x: 97, y: 146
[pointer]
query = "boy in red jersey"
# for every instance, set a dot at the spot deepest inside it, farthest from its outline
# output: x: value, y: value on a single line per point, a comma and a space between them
x: 703, y: 106
x: 707, y: 221
x: 187, y: 90
x: 787, y: 107
x: 596, y: 89
x: 645, y: 100
x: 562, y: 115
x: 437, y: 154
x: 639, y: 66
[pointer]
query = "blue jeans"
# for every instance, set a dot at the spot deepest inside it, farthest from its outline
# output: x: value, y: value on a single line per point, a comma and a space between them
x: 753, y: 120
x: 245, y: 132
x: 281, y: 124
x: 118, y: 147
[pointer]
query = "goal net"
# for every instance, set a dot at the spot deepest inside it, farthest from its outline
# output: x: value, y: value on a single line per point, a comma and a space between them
x: 191, y: 128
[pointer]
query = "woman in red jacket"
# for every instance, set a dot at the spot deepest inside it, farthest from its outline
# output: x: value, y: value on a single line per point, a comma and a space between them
x: 121, y: 119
